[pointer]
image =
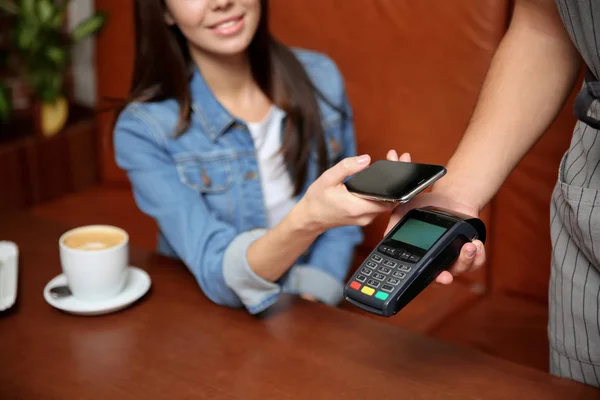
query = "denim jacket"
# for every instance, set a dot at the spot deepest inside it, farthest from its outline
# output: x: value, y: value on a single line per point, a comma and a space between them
x: 204, y: 192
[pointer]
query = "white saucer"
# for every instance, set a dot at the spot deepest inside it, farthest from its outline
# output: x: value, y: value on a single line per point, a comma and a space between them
x: 138, y: 283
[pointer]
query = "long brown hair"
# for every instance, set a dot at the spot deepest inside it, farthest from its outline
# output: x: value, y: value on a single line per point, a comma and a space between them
x: 163, y: 69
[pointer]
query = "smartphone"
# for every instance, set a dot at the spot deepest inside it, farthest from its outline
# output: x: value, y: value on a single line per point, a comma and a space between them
x: 394, y: 181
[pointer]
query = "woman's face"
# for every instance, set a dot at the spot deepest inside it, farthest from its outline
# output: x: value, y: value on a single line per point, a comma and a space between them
x: 221, y: 27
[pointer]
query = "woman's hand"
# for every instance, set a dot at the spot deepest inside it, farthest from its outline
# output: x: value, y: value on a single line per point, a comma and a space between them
x: 472, y: 255
x: 328, y: 203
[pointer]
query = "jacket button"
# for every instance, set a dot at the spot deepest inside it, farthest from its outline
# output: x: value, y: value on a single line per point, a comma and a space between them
x: 335, y: 146
x: 250, y: 175
x: 206, y: 179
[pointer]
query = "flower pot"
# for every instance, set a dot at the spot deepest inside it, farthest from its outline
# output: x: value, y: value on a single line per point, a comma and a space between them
x: 51, y: 117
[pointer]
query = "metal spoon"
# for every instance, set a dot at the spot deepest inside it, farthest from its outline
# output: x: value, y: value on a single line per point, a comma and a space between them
x: 59, y: 292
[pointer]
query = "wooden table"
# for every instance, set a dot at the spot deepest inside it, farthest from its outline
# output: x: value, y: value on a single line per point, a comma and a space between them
x: 175, y: 344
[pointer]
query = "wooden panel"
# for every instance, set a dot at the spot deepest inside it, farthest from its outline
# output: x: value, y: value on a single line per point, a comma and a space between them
x: 82, y: 152
x: 51, y: 168
x: 34, y: 169
x: 64, y: 163
x: 14, y: 178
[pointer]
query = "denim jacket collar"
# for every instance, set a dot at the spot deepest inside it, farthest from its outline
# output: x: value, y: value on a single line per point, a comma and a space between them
x: 215, y: 119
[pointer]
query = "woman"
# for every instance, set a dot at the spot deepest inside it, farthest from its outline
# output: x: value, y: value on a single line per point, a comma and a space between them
x: 223, y: 142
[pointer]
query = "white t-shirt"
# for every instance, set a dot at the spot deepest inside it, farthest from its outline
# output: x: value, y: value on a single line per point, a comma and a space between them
x: 278, y: 189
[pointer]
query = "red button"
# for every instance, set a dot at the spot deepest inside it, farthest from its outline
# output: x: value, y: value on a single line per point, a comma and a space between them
x: 355, y: 285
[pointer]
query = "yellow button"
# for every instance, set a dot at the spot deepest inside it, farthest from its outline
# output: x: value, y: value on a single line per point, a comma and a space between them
x: 367, y: 290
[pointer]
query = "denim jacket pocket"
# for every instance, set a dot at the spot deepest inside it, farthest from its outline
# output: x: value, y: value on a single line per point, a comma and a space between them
x: 205, y: 174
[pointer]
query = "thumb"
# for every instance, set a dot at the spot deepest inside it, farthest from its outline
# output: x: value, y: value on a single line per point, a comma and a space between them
x: 345, y: 168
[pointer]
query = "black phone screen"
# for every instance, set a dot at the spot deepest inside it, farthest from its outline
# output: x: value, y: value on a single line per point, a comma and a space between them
x: 392, y: 179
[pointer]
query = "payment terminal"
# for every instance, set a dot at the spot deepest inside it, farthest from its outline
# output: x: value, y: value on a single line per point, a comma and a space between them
x: 421, y: 245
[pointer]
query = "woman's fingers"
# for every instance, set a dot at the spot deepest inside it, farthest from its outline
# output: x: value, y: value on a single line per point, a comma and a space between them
x: 392, y: 155
x: 367, y: 206
x: 352, y: 165
x: 345, y: 168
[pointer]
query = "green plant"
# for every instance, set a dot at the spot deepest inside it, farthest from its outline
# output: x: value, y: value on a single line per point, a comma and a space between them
x: 5, y: 98
x: 42, y: 44
x: 5, y: 103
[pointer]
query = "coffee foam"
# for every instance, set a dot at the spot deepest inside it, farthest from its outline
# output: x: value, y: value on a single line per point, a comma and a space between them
x: 93, y: 239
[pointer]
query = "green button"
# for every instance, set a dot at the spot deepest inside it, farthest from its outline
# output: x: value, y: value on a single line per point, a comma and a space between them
x: 381, y: 295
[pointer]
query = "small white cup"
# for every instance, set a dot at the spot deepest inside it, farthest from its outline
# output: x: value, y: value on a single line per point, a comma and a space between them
x: 95, y: 274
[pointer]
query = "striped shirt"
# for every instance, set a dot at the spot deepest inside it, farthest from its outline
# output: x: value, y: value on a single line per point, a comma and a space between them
x: 574, y: 293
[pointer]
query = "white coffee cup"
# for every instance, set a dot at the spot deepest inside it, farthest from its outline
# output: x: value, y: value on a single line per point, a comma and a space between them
x: 94, y: 259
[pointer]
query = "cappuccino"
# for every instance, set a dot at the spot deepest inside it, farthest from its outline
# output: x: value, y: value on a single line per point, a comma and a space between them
x: 94, y: 238
x: 95, y: 260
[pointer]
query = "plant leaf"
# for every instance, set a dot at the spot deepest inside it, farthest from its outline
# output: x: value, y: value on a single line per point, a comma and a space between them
x: 45, y: 10
x: 9, y: 7
x: 58, y: 55
x: 47, y: 81
x: 57, y: 84
x: 28, y: 8
x: 88, y: 26
x: 59, y: 17
x: 5, y: 103
x: 25, y: 36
